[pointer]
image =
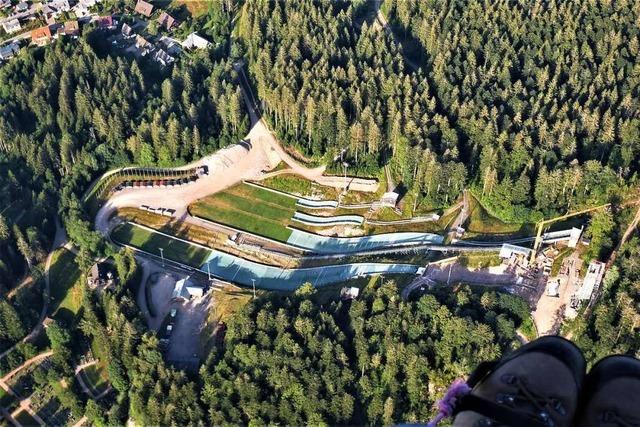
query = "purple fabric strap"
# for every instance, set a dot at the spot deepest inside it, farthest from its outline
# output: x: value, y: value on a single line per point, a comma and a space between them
x: 447, y: 404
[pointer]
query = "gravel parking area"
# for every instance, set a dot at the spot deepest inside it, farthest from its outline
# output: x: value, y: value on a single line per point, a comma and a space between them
x: 184, y: 341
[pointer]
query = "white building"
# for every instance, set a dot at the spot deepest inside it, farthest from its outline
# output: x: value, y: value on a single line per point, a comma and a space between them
x: 127, y: 31
x: 194, y: 41
x: 592, y: 280
x: 349, y: 293
x: 81, y: 9
x: 11, y: 26
x: 186, y: 289
x: 574, y: 237
x: 163, y: 58
x: 553, y: 288
x: 60, y: 5
x: 507, y: 251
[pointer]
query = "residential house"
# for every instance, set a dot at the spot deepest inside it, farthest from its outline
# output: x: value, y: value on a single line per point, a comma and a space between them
x: 100, y: 275
x: 70, y: 29
x: 144, y: 8
x: 143, y: 45
x: 194, y: 41
x: 106, y: 22
x: 127, y: 31
x: 163, y: 58
x: 170, y: 45
x: 5, y: 4
x: 41, y: 36
x: 60, y: 5
x: 23, y: 6
x: 166, y: 20
x: 8, y: 51
x: 81, y: 10
x: 11, y: 26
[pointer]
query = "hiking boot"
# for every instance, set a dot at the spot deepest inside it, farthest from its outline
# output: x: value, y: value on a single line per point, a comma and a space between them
x: 537, y: 385
x: 611, y: 396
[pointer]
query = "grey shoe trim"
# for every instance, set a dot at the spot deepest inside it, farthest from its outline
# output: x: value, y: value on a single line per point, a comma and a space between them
x: 500, y: 413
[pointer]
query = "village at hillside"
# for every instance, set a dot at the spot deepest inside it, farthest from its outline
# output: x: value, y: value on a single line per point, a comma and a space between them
x: 144, y: 31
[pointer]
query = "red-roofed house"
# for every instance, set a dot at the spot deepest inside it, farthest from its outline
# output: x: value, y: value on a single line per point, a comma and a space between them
x: 144, y: 8
x: 41, y: 36
x: 166, y: 20
x: 106, y: 22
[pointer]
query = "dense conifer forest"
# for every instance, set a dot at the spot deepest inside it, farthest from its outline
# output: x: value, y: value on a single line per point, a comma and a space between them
x: 533, y: 107
x: 376, y: 360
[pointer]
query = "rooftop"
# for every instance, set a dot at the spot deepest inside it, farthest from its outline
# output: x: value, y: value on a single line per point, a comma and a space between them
x: 166, y: 20
x: 144, y: 8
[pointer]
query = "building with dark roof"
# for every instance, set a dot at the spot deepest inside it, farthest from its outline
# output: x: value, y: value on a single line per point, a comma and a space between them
x: 100, y: 275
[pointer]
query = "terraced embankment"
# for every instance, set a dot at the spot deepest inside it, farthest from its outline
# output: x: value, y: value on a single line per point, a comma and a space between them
x: 244, y: 272
x: 326, y: 221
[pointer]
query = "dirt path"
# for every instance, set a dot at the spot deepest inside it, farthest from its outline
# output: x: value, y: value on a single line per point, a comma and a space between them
x: 627, y: 233
x: 88, y: 389
x: 25, y: 364
x: 82, y: 421
x: 59, y: 239
x: 382, y: 21
x: 25, y: 404
x: 462, y: 216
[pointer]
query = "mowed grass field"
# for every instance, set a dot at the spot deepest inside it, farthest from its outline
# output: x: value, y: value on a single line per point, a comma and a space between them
x: 249, y: 208
x: 175, y: 250
x: 481, y: 222
x: 66, y: 281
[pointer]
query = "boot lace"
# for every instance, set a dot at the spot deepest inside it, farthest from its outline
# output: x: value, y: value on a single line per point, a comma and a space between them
x: 543, y: 405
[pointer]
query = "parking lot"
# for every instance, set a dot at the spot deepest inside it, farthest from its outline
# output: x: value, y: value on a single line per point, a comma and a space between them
x: 184, y: 339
